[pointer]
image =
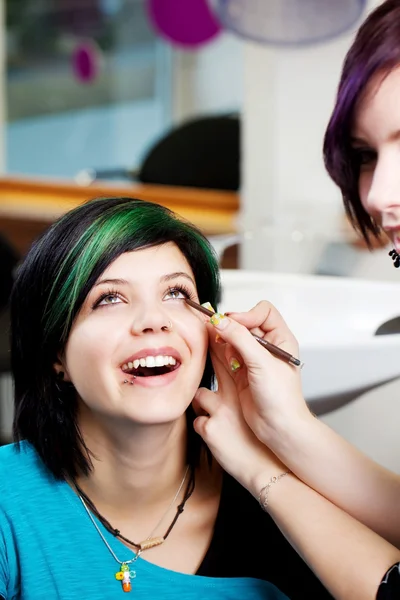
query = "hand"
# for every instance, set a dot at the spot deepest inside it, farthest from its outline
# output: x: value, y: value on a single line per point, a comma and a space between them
x: 223, y: 428
x: 269, y: 389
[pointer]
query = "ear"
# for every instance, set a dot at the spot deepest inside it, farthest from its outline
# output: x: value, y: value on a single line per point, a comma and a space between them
x: 61, y: 370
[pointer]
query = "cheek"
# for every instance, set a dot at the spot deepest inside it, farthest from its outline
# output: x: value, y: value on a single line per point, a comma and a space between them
x: 86, y: 351
x: 197, y: 338
x: 204, y: 343
x: 364, y: 186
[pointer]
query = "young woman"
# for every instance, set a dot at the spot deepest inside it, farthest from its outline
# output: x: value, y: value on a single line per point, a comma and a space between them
x: 109, y: 489
x: 362, y: 154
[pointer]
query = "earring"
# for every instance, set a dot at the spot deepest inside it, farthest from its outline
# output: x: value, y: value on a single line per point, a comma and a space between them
x: 395, y: 258
x: 61, y: 385
x: 59, y: 382
x: 167, y: 327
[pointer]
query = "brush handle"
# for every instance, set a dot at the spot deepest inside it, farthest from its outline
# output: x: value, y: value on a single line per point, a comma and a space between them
x: 278, y: 352
x: 275, y: 350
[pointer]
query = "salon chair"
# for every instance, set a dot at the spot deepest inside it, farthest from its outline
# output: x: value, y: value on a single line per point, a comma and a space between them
x: 202, y: 152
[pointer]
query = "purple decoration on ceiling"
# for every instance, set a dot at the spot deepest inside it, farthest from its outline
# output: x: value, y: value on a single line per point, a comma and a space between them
x: 187, y: 23
x: 85, y: 61
x: 289, y: 22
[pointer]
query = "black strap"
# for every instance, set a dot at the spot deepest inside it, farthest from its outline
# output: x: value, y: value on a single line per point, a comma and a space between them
x: 389, y: 588
x: 116, y: 533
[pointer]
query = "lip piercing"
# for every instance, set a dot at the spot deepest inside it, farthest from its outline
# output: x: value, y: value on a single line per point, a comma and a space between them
x: 395, y: 258
x: 130, y: 382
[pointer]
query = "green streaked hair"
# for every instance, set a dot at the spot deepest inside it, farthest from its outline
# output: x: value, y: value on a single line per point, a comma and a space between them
x: 50, y: 288
x: 119, y: 228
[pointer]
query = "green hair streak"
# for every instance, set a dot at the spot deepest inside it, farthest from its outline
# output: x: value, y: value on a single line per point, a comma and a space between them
x: 114, y: 229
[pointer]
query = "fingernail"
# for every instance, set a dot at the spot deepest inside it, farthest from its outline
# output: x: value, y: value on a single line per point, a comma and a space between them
x: 235, y: 364
x: 209, y: 306
x: 219, y: 321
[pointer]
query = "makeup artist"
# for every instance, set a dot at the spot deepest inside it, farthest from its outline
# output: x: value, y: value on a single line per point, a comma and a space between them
x: 346, y: 523
x: 109, y: 489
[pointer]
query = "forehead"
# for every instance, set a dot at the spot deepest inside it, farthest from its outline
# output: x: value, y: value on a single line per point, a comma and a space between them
x: 377, y: 115
x: 147, y: 262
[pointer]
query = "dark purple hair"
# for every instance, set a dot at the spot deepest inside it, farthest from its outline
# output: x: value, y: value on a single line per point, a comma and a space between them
x: 376, y: 48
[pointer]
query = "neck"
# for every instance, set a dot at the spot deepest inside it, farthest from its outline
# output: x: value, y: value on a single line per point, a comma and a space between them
x: 133, y: 467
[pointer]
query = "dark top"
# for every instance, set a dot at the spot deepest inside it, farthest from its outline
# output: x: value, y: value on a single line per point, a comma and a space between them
x: 248, y: 543
x: 390, y: 584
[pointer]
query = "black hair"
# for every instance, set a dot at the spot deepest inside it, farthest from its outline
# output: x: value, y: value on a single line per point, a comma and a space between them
x: 51, y: 285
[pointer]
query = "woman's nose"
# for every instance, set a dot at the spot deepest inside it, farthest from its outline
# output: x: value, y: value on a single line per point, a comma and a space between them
x: 150, y: 320
x: 383, y: 199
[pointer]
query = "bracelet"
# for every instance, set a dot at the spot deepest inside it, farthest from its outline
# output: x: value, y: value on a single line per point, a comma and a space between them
x: 264, y: 492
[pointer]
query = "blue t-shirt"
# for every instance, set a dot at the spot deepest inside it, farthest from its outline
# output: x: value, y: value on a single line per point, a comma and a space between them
x: 49, y: 548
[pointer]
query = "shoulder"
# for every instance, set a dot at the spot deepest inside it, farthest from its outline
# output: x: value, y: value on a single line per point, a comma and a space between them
x: 17, y: 456
x: 20, y: 469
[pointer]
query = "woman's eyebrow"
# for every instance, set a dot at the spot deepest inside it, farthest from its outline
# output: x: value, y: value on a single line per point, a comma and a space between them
x: 113, y: 281
x: 176, y: 275
x: 354, y: 139
x: 395, y: 136
x: 164, y: 278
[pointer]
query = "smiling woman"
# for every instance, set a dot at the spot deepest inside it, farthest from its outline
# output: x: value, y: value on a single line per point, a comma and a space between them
x: 108, y: 359
x: 362, y: 138
x: 71, y: 266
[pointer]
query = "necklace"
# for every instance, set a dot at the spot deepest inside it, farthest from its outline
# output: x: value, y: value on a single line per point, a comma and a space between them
x: 125, y: 573
x: 149, y: 542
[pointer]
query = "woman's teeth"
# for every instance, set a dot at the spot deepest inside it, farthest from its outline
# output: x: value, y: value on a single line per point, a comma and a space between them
x: 150, y: 362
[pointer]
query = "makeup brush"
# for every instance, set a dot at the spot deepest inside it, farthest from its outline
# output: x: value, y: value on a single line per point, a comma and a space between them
x: 275, y: 350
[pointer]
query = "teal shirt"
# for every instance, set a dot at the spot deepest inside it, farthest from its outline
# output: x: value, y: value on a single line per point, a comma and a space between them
x: 49, y: 548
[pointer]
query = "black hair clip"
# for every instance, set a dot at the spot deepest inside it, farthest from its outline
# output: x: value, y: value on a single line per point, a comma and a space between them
x: 395, y: 258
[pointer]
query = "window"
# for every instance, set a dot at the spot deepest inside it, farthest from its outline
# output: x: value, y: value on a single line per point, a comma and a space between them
x: 87, y: 85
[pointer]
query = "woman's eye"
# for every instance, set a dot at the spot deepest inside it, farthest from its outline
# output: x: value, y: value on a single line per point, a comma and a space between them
x: 176, y: 294
x: 109, y: 299
x: 365, y: 156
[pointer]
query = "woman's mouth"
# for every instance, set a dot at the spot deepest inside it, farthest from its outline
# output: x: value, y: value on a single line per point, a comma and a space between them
x: 396, y: 241
x: 151, y: 366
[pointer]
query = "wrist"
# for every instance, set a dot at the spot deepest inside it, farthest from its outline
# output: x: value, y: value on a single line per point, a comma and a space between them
x: 264, y: 494
x: 283, y: 428
x: 263, y: 475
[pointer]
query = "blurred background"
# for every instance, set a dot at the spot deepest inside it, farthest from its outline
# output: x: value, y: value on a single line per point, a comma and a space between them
x: 91, y: 88
x: 217, y: 109
x: 87, y: 83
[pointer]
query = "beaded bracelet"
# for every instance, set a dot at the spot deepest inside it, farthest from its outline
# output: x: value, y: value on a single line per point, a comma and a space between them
x: 265, y: 490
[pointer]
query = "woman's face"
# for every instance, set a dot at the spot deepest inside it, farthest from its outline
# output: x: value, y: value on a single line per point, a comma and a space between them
x: 123, y: 329
x: 376, y: 139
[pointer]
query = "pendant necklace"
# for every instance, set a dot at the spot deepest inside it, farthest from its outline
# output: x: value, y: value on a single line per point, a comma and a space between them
x: 125, y: 574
